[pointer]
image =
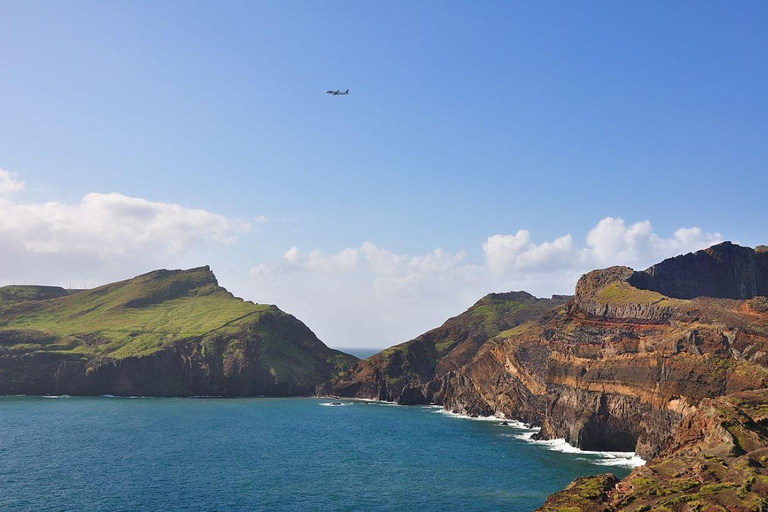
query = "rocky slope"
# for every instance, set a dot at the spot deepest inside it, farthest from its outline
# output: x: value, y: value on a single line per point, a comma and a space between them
x: 166, y: 333
x: 620, y: 366
x: 415, y: 372
x: 716, y: 460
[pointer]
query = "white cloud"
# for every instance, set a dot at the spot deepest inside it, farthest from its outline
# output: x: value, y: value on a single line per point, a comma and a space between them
x: 610, y: 242
x: 316, y: 261
x: 370, y: 296
x: 504, y: 252
x: 110, y: 225
x: 685, y: 240
x: 383, y: 262
x: 104, y: 237
x: 9, y: 183
x: 389, y: 268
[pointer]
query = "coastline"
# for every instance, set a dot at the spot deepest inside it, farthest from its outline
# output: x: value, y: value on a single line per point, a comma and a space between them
x: 525, y: 433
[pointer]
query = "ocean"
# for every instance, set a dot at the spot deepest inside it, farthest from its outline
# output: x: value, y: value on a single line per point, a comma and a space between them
x: 216, y: 454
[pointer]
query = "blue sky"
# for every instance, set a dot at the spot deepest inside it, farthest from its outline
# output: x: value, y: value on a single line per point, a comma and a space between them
x: 464, y: 121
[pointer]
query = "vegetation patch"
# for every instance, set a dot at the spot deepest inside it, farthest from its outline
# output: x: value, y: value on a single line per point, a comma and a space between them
x: 759, y: 304
x: 24, y: 293
x: 621, y: 293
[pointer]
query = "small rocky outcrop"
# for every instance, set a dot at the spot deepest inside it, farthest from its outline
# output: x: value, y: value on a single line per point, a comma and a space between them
x: 585, y: 494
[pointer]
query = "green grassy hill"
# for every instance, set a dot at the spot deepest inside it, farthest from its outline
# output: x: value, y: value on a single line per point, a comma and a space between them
x: 161, y: 333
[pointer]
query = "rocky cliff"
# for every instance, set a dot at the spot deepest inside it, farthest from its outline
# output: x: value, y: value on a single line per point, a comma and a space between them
x: 725, y: 270
x: 620, y: 366
x: 166, y: 333
x: 716, y: 460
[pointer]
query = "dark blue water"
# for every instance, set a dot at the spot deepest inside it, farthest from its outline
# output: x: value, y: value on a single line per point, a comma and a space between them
x: 269, y: 454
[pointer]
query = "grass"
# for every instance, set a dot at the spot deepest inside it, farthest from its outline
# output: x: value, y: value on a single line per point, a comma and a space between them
x: 620, y: 293
x: 107, y: 322
x: 140, y: 316
x: 517, y: 330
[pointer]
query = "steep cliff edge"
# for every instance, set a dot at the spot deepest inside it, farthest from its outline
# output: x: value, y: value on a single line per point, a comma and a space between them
x: 165, y: 333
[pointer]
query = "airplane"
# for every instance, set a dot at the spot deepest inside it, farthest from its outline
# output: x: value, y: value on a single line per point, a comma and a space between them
x: 337, y: 92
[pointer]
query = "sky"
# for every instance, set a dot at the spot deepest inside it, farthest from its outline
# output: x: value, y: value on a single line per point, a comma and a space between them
x: 484, y: 147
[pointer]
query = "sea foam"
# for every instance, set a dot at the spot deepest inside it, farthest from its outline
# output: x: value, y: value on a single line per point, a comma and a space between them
x: 624, y: 459
x: 627, y: 459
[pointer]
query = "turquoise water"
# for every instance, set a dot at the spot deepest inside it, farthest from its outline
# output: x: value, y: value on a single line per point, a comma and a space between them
x: 268, y: 454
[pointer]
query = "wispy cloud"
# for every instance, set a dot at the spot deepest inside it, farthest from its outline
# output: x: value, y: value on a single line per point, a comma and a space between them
x: 9, y: 183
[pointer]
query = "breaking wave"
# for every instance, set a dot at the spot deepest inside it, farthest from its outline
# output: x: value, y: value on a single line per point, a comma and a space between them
x: 624, y: 459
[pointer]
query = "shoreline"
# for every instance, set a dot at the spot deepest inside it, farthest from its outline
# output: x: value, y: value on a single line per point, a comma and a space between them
x: 606, y: 458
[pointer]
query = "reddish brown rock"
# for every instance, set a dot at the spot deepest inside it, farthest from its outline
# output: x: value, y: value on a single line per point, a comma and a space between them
x: 716, y: 460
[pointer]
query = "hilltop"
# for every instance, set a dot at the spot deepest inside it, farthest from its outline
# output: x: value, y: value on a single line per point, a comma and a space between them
x: 13, y: 294
x: 164, y: 333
